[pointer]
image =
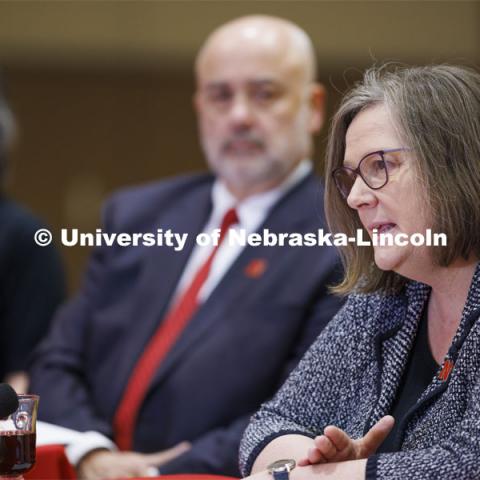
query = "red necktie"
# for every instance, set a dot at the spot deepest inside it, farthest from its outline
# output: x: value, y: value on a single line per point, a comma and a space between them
x: 160, y: 344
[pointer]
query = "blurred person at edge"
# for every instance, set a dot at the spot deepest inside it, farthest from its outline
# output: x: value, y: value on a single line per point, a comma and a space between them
x: 391, y: 388
x: 32, y: 280
x: 260, y: 307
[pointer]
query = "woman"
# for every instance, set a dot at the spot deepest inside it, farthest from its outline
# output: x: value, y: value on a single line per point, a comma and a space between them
x: 403, y: 157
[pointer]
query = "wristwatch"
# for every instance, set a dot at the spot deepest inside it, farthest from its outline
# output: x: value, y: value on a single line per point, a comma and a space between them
x: 281, y: 468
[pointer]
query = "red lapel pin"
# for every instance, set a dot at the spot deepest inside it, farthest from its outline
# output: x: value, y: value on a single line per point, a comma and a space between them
x: 256, y: 268
x: 446, y: 370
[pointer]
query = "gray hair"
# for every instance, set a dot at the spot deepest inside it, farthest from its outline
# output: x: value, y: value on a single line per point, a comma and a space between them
x: 437, y: 112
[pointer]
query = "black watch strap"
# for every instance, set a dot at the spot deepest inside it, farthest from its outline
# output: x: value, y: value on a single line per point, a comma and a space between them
x: 281, y: 475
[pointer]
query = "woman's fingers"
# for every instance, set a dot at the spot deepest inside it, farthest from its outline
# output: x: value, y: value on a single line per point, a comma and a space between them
x: 336, y: 446
x: 338, y: 437
x: 326, y: 447
x: 315, y: 456
x: 376, y: 435
x: 303, y: 462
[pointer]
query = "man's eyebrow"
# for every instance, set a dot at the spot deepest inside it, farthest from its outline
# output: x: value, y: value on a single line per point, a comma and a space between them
x: 254, y: 83
x: 215, y: 85
x: 260, y: 82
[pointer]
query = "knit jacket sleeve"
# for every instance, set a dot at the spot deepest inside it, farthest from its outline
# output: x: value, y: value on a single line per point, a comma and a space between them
x: 307, y: 401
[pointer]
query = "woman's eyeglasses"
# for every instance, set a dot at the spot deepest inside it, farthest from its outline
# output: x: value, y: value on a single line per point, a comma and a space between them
x: 374, y: 169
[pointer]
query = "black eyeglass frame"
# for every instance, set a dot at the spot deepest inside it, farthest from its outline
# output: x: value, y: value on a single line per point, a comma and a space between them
x: 358, y: 172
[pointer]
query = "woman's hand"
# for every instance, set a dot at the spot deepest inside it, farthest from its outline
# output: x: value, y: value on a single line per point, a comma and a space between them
x: 336, y: 446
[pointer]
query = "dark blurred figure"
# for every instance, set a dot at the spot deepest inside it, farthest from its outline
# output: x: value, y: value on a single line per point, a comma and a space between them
x: 31, y: 277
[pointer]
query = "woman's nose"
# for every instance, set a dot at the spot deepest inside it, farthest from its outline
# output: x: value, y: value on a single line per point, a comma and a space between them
x: 361, y: 195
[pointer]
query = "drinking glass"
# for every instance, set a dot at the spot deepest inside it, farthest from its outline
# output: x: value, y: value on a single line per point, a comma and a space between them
x: 17, y: 438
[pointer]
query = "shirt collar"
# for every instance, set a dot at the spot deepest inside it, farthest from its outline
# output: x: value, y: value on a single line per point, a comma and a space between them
x: 253, y: 210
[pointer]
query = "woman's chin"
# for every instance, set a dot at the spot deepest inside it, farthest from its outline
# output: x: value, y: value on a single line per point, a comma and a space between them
x: 388, y: 258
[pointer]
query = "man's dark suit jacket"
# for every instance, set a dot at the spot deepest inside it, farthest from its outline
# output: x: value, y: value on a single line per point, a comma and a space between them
x: 232, y: 356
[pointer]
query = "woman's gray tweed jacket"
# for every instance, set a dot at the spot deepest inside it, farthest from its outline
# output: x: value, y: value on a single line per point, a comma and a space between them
x: 349, y: 378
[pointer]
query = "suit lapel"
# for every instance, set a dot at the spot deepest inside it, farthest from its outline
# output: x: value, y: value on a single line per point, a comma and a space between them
x: 162, y: 269
x: 164, y: 266
x: 288, y: 215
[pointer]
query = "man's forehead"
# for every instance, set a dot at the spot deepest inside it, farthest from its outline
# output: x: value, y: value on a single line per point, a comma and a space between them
x: 253, y: 67
x: 252, y: 46
x: 229, y: 56
x: 247, y: 36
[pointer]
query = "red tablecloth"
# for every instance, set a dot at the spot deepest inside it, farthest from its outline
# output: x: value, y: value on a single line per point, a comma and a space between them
x: 52, y: 464
x: 191, y: 476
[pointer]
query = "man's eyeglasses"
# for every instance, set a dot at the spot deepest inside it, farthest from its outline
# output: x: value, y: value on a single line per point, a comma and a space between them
x: 374, y: 169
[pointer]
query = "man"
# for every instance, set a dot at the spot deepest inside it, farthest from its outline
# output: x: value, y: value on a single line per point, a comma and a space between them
x: 240, y: 318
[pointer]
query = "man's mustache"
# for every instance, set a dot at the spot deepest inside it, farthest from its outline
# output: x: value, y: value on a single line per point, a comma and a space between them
x: 244, y: 139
